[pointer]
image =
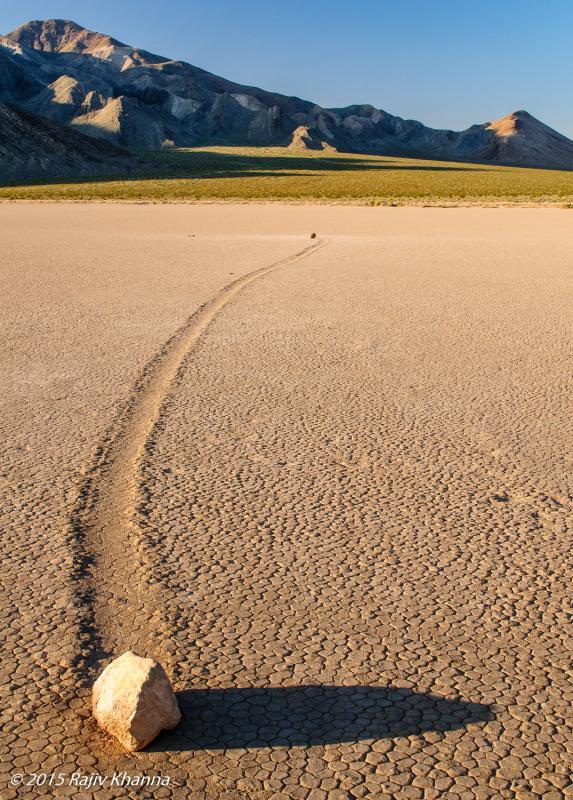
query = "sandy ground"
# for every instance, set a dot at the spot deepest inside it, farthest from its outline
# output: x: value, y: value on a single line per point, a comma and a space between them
x: 329, y: 488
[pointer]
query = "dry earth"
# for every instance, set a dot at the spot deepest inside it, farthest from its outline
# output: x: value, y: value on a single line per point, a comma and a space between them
x: 327, y: 483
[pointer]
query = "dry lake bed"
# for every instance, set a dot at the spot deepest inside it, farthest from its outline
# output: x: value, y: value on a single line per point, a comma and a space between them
x: 325, y: 481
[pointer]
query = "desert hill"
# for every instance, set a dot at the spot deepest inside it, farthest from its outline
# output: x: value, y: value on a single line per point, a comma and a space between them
x: 522, y: 139
x: 303, y: 139
x: 132, y: 98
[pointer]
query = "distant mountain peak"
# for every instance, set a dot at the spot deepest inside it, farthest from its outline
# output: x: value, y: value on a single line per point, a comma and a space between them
x: 520, y: 123
x: 66, y: 36
x: 61, y: 36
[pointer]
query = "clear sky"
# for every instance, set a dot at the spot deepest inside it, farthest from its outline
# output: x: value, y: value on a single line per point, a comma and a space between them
x: 448, y: 63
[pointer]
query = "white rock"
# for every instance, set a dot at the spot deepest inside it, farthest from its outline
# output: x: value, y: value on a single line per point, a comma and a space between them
x: 133, y: 701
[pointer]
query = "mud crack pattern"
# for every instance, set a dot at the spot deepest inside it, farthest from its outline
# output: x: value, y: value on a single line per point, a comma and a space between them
x: 351, y: 499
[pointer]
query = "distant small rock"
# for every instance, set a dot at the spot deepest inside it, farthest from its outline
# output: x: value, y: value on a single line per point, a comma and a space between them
x: 133, y: 701
x: 313, y: 235
x: 501, y: 497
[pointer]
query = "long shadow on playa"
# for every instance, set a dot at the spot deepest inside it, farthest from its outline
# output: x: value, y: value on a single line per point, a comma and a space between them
x: 311, y: 715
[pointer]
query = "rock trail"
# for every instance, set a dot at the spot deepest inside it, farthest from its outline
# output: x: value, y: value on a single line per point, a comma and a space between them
x: 119, y: 603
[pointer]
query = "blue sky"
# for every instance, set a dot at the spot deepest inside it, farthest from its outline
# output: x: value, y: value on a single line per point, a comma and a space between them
x: 448, y: 63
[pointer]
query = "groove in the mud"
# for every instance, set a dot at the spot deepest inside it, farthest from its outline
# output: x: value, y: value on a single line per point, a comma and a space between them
x: 113, y: 590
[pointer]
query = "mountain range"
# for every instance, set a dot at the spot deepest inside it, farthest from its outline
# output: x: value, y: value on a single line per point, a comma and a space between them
x: 87, y: 85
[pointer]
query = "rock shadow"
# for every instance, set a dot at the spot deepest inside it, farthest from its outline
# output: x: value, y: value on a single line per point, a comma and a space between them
x: 302, y: 716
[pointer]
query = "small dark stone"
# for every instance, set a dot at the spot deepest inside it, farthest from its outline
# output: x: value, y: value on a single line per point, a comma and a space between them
x: 502, y: 497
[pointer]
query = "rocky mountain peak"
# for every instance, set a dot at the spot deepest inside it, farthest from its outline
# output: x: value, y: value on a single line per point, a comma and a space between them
x: 514, y: 123
x: 61, y: 36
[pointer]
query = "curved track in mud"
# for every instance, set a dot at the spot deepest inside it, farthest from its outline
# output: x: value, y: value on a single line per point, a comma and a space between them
x: 114, y: 586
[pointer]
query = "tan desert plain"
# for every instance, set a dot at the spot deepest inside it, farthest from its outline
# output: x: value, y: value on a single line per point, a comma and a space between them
x: 325, y: 482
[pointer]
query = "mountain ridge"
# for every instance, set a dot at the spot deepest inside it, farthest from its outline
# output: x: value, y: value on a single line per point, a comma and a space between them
x: 136, y: 99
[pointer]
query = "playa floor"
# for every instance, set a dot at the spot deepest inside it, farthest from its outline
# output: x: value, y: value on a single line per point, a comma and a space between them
x: 326, y: 482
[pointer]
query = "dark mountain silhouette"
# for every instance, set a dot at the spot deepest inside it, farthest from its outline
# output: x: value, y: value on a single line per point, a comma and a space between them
x: 106, y: 89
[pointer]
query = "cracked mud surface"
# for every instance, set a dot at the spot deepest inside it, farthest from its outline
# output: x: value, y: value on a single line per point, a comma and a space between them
x: 352, y: 493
